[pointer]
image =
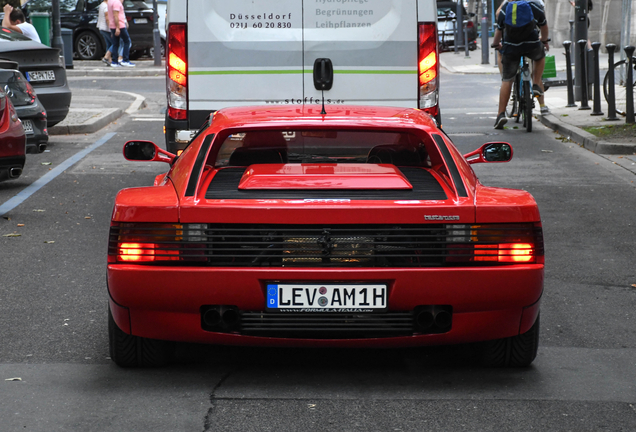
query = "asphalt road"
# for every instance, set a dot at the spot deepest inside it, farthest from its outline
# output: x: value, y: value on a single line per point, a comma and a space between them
x: 53, y: 304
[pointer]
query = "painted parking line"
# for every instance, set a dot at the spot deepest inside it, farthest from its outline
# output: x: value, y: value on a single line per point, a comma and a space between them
x: 51, y: 175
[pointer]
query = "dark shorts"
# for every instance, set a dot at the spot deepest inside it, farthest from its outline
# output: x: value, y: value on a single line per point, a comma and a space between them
x: 511, y: 57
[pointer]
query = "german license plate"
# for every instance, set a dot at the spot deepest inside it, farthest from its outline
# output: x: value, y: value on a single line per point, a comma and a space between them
x: 28, y: 126
x: 326, y: 297
x: 140, y: 20
x: 47, y: 75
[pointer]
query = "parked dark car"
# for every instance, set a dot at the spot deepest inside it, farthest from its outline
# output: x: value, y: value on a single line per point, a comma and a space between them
x: 446, y: 13
x: 81, y: 17
x: 12, y: 141
x: 27, y: 105
x: 43, y: 67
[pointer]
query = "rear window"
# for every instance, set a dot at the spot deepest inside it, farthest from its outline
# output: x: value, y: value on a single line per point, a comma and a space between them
x: 322, y: 146
x: 7, y: 35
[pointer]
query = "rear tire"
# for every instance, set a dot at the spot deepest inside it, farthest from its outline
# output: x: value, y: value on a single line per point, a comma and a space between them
x: 527, y: 108
x: 515, y: 351
x: 516, y: 100
x: 133, y: 351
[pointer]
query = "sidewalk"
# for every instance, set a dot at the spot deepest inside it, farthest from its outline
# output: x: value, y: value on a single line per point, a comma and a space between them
x: 569, y: 122
x: 93, y: 109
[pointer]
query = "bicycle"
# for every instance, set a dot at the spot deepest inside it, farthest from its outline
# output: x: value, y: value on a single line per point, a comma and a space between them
x: 522, y: 97
x: 522, y: 94
x: 620, y: 85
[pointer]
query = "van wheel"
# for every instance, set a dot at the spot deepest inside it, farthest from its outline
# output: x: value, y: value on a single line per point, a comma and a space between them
x: 134, y: 351
x: 515, y: 351
x: 88, y: 46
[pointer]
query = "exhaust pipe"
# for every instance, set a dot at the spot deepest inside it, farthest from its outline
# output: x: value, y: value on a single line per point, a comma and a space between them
x: 230, y: 317
x: 212, y: 317
x: 15, y: 172
x: 433, y: 319
x: 220, y: 318
x: 425, y: 320
x: 443, y: 319
x: 41, y: 147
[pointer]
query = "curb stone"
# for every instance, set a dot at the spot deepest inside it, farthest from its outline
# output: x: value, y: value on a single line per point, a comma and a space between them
x: 586, y: 139
x: 93, y: 124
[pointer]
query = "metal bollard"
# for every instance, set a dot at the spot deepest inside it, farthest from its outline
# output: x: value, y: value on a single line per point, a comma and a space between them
x: 571, y: 30
x: 466, y: 38
x: 629, y: 89
x: 455, y: 35
x: 584, y: 98
x: 484, y: 40
x: 597, y: 78
x: 611, y: 99
x: 568, y: 70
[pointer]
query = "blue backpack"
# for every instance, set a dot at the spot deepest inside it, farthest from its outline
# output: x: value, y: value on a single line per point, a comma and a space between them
x: 519, y: 22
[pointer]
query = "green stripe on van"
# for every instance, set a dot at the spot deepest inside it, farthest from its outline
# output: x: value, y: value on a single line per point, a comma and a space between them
x: 282, y: 72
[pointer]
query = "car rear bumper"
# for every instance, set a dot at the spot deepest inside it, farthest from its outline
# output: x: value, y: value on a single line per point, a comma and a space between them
x: 166, y: 303
x: 56, y: 100
x: 11, y: 167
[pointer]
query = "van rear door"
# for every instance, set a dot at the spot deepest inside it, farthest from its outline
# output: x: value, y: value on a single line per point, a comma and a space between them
x: 372, y: 45
x: 244, y: 52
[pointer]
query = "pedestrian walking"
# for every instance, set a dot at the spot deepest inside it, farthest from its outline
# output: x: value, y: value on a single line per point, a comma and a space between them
x: 119, y: 33
x: 104, y: 30
x: 14, y: 20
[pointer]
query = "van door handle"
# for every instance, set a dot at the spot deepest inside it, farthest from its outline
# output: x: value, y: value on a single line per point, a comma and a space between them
x: 323, y: 74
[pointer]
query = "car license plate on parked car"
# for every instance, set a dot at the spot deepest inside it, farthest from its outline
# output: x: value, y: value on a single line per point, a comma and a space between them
x: 28, y: 126
x: 47, y: 75
x: 326, y: 297
x: 140, y: 20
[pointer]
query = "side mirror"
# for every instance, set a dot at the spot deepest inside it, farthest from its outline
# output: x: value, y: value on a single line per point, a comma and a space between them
x: 146, y: 151
x: 490, y: 152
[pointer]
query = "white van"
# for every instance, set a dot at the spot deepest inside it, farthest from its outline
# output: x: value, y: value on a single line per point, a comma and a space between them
x: 286, y: 52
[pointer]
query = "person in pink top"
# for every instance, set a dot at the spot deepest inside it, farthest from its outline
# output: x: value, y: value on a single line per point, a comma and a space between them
x: 119, y: 31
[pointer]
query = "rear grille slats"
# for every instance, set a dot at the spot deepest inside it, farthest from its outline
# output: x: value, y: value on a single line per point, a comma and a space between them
x: 325, y: 325
x: 425, y: 245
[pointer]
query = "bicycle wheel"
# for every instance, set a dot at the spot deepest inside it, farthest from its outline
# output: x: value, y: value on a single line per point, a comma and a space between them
x: 527, y: 106
x: 620, y: 87
x: 516, y: 100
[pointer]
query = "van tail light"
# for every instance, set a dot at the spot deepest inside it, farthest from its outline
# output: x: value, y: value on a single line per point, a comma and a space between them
x: 495, y: 244
x: 428, y: 68
x: 177, y: 71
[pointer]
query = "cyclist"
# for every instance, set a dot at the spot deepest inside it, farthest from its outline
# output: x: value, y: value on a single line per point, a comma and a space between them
x: 517, y: 36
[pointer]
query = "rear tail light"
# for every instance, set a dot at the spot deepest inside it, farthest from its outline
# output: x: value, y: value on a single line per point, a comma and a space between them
x: 177, y: 70
x: 495, y: 243
x: 470, y: 24
x: 29, y: 91
x: 428, y: 68
x: 156, y: 243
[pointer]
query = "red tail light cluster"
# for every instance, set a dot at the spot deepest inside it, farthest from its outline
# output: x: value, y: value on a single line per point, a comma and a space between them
x: 147, y: 243
x: 428, y: 68
x: 495, y: 243
x: 30, y: 91
x: 177, y: 65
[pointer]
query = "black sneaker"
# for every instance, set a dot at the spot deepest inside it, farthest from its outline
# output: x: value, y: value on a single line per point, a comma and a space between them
x: 536, y: 90
x: 501, y: 121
